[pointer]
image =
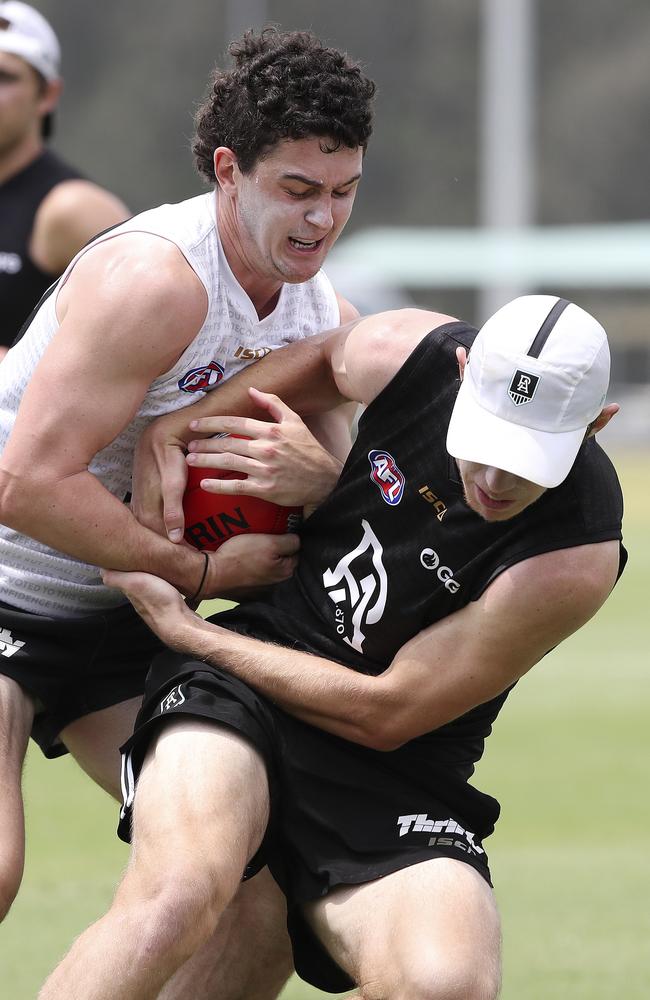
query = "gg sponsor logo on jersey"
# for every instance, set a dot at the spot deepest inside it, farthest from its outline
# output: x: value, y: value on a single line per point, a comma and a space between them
x: 386, y: 476
x: 454, y: 834
x: 358, y: 588
x: 431, y: 561
x: 201, y: 379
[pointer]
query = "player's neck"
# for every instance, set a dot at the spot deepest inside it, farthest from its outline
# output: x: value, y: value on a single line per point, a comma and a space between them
x: 263, y: 290
x: 13, y: 160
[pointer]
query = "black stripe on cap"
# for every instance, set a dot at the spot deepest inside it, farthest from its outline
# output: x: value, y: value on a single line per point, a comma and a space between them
x: 546, y: 327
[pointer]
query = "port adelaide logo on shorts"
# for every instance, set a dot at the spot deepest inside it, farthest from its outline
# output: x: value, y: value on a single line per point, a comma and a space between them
x: 201, y: 379
x: 174, y: 699
x: 386, y: 476
x: 523, y: 387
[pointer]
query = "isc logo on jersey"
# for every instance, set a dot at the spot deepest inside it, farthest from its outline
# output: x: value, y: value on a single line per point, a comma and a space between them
x: 201, y: 379
x: 386, y: 475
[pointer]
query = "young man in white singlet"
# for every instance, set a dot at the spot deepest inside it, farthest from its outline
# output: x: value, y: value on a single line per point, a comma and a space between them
x: 152, y: 316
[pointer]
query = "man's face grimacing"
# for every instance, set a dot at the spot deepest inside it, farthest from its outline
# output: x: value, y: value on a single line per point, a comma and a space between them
x: 293, y: 204
x: 494, y: 494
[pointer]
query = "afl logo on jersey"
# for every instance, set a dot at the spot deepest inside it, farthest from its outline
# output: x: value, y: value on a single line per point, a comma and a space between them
x: 201, y: 379
x: 387, y: 476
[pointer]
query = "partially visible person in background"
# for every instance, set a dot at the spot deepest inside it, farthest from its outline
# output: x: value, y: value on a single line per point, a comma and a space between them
x: 48, y: 211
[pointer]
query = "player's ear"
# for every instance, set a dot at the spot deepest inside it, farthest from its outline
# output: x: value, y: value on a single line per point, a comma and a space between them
x: 461, y: 358
x: 49, y: 96
x: 225, y: 170
x: 602, y: 419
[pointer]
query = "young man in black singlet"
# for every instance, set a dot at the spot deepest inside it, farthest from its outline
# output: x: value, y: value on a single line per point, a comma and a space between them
x: 48, y: 211
x: 332, y: 729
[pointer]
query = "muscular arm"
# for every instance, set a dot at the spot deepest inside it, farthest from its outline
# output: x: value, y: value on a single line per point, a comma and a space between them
x: 460, y: 662
x: 349, y: 365
x: 332, y: 428
x: 127, y: 312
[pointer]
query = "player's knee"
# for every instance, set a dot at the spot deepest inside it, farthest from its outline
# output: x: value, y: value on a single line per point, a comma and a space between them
x: 178, y: 911
x: 432, y: 977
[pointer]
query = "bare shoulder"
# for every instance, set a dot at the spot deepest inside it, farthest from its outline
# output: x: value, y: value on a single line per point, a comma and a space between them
x: 68, y: 217
x: 555, y: 592
x: 72, y: 196
x: 378, y: 346
x: 144, y: 264
x: 140, y: 291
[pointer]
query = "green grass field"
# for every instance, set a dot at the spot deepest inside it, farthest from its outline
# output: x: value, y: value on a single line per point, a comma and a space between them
x: 568, y: 760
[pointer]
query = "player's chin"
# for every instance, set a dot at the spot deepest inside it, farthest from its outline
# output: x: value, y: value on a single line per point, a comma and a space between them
x: 490, y: 515
x: 297, y: 275
x: 298, y: 266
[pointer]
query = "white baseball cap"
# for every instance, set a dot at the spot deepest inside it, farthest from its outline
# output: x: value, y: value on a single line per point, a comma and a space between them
x: 25, y: 33
x: 536, y: 377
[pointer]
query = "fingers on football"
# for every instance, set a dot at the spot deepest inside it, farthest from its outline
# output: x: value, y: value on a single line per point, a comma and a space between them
x: 228, y: 487
x: 172, y: 484
x: 226, y: 461
x: 243, y: 426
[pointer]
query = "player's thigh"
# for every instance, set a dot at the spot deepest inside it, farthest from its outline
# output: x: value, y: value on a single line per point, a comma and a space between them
x: 16, y: 718
x: 202, y: 789
x: 430, y: 930
x: 94, y: 741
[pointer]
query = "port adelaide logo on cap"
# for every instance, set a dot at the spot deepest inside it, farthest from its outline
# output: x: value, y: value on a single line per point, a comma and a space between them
x: 524, y: 384
x: 523, y: 387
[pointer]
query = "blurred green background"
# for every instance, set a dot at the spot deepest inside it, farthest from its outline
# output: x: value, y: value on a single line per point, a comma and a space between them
x: 568, y: 760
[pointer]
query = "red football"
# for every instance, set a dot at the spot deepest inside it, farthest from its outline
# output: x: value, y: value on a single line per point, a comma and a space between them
x: 211, y: 519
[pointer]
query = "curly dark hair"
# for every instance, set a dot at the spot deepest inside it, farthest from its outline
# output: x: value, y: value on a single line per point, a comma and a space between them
x: 284, y: 85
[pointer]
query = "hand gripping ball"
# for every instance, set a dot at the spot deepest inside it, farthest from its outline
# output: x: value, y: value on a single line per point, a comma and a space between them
x: 211, y: 518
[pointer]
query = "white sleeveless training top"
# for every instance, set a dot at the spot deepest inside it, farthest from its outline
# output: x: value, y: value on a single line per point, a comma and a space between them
x: 38, y: 579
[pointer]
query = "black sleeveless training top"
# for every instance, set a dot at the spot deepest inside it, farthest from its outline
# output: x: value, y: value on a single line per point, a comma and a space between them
x: 395, y: 547
x: 21, y: 282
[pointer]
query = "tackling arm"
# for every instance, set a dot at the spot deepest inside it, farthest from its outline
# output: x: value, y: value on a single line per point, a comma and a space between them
x: 350, y: 364
x: 460, y: 662
x: 146, y: 305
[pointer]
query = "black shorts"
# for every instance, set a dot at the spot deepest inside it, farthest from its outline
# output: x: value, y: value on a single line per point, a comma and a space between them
x: 74, y: 666
x: 341, y: 814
